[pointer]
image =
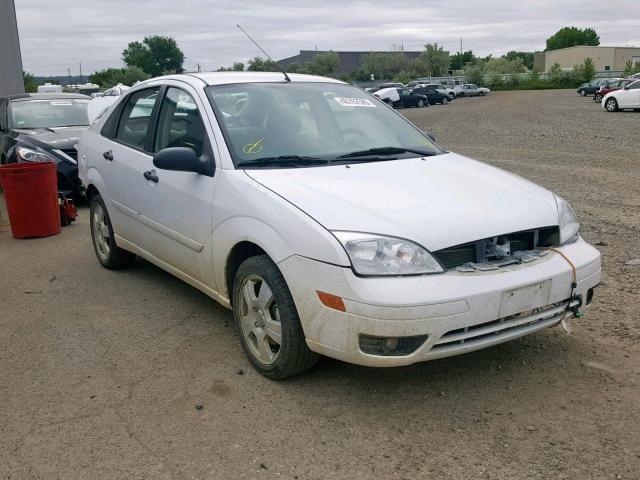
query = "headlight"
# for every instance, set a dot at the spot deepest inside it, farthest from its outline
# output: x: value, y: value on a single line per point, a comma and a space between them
x: 568, y: 222
x: 377, y: 255
x: 25, y: 154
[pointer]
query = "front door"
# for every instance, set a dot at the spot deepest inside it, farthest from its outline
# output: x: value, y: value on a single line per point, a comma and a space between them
x: 177, y: 206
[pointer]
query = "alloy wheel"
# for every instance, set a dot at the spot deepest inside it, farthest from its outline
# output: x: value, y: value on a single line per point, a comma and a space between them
x: 260, y: 319
x: 101, y: 232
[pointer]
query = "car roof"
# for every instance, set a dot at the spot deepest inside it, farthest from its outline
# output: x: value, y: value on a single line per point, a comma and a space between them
x: 225, y: 78
x: 22, y: 97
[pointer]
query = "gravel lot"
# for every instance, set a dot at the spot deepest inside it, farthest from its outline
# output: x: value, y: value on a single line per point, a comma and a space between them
x: 101, y: 372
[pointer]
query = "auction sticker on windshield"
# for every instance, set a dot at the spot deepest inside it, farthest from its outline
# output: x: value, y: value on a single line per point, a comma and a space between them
x: 355, y: 102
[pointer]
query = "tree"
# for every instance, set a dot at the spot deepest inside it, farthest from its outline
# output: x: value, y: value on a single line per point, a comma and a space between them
x: 325, y: 64
x: 588, y: 70
x: 502, y: 65
x: 30, y: 84
x: 434, y: 61
x: 475, y: 74
x: 459, y: 60
x: 385, y: 65
x: 630, y: 68
x: 112, y: 76
x: 526, y: 57
x: 236, y: 67
x: 572, y: 36
x: 155, y: 55
x: 259, y: 64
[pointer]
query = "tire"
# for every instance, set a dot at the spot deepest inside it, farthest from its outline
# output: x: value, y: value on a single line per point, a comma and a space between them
x: 482, y: 94
x: 420, y: 103
x: 583, y: 93
x: 611, y: 105
x: 109, y: 254
x: 597, y: 98
x: 445, y: 100
x: 265, y: 317
x: 461, y: 94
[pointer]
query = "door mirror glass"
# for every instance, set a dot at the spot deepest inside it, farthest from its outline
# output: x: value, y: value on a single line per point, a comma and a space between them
x: 181, y: 159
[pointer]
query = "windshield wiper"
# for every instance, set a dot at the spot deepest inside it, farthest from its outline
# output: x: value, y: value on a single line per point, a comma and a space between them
x: 283, y: 160
x: 383, y: 151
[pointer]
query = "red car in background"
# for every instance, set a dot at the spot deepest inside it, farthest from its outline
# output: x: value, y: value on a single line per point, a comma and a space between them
x: 610, y: 87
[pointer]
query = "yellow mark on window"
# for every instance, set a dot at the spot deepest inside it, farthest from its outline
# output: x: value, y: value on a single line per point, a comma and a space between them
x: 253, y: 147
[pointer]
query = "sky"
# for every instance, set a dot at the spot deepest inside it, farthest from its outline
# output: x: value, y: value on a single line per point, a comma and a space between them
x: 60, y: 34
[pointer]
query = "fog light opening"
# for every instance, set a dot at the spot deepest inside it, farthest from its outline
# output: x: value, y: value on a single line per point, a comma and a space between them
x: 391, y: 346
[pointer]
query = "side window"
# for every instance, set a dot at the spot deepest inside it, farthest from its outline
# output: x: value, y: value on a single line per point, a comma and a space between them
x: 179, y: 122
x: 634, y: 86
x: 136, y: 116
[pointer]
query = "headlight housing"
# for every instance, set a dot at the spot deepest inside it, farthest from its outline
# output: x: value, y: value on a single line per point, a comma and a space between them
x: 374, y: 255
x: 568, y: 222
x: 26, y: 154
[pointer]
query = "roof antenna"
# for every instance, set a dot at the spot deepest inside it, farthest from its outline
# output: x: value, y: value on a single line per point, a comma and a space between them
x: 286, y: 77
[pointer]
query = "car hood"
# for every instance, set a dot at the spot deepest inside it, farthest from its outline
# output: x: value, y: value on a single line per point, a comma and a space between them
x: 439, y: 202
x: 61, y: 138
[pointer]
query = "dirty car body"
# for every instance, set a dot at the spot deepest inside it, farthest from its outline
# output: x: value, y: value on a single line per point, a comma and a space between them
x: 328, y: 222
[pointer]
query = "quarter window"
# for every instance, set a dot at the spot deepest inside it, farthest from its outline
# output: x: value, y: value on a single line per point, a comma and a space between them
x: 634, y: 86
x: 136, y: 117
x: 179, y: 122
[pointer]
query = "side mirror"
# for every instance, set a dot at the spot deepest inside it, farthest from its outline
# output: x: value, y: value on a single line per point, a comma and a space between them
x: 183, y: 159
x: 431, y: 136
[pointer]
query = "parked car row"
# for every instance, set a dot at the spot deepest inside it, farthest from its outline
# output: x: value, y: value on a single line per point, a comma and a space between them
x: 614, y: 93
x: 423, y: 95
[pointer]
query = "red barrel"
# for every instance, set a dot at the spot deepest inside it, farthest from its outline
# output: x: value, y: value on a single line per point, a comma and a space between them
x: 31, y: 193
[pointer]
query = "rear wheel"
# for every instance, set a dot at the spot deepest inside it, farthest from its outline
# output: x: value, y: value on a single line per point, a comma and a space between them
x: 420, y: 103
x: 583, y: 93
x: 611, y: 105
x: 109, y: 254
x: 445, y: 100
x: 268, y: 322
x: 597, y: 98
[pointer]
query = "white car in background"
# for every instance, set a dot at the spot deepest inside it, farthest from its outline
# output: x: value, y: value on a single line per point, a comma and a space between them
x: 327, y: 222
x: 470, y: 90
x: 625, y: 98
x: 450, y: 92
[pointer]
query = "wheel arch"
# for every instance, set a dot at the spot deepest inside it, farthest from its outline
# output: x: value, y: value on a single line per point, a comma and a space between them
x: 240, y: 252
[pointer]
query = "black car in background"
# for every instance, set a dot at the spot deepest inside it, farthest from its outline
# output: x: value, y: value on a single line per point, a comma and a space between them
x: 434, y: 96
x: 406, y: 98
x: 590, y: 88
x: 44, y: 127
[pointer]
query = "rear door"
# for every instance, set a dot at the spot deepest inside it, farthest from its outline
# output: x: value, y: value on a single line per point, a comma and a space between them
x: 124, y: 156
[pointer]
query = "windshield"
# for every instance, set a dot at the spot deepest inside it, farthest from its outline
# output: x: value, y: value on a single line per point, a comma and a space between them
x: 58, y: 112
x: 311, y: 121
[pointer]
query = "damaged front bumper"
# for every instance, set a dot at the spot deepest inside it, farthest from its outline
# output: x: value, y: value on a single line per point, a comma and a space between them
x: 394, y: 321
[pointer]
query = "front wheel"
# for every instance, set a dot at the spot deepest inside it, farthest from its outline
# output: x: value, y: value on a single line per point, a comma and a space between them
x: 597, y: 98
x: 268, y: 322
x: 611, y: 105
x: 104, y: 244
x: 445, y: 100
x: 583, y: 93
x: 420, y: 103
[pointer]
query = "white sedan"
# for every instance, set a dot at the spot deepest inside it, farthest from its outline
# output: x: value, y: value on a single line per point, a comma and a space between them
x: 625, y: 98
x: 327, y: 222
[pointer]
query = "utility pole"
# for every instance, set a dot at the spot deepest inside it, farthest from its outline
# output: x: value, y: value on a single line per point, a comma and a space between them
x: 199, y: 68
x: 81, y: 79
x: 69, y: 71
x: 460, y: 53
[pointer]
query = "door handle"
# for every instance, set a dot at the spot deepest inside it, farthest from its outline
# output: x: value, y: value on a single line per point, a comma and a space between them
x: 151, y: 175
x: 108, y: 155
